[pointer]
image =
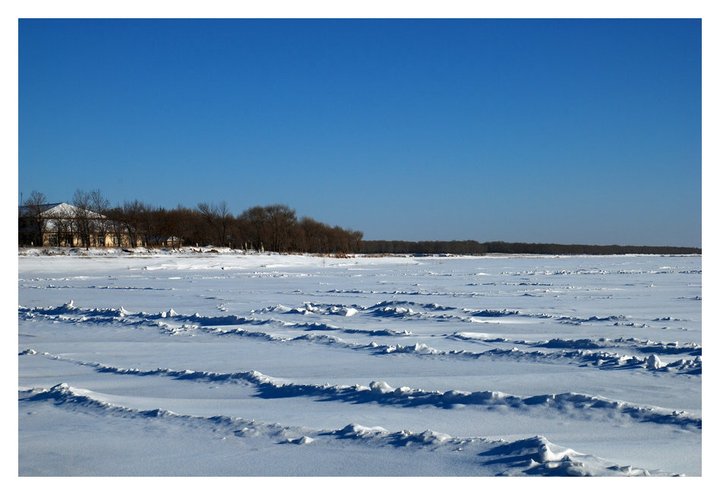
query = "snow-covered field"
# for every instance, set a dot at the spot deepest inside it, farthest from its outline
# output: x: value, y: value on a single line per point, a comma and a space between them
x: 281, y: 365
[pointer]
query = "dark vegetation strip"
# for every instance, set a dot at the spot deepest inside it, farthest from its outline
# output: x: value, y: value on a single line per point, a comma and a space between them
x: 470, y: 247
x: 274, y: 228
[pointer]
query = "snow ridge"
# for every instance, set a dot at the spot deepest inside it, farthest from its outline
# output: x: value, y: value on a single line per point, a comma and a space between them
x: 584, y: 356
x: 630, y: 343
x: 382, y: 393
x: 534, y: 456
x: 599, y: 359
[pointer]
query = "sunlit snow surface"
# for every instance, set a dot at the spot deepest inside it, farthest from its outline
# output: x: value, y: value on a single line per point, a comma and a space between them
x: 230, y: 364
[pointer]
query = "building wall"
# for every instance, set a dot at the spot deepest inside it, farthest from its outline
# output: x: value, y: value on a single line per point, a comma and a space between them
x: 58, y: 225
x: 52, y: 239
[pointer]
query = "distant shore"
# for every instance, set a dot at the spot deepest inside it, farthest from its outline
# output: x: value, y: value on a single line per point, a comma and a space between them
x: 213, y: 250
x: 500, y: 247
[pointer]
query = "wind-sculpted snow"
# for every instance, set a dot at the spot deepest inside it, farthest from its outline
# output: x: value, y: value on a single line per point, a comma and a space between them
x: 385, y: 309
x: 62, y: 394
x: 627, y: 344
x: 537, y: 456
x: 393, y: 308
x: 574, y: 320
x: 312, y: 309
x: 68, y: 312
x: 493, y: 313
x: 600, y: 359
x: 582, y: 352
x: 601, y: 271
x: 382, y: 393
x: 531, y: 456
x: 440, y: 356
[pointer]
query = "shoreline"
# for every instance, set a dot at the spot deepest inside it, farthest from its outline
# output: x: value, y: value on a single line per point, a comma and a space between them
x: 212, y: 250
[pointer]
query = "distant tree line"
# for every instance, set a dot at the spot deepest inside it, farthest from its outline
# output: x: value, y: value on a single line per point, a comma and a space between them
x: 499, y: 247
x: 262, y: 228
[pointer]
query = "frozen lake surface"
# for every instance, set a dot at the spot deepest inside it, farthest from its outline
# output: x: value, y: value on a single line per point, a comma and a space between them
x: 282, y: 365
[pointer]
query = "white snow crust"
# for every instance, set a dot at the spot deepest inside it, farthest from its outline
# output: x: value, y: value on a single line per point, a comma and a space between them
x: 211, y: 362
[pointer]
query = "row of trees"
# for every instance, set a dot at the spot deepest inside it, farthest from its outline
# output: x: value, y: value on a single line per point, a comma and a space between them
x: 499, y: 247
x: 274, y: 227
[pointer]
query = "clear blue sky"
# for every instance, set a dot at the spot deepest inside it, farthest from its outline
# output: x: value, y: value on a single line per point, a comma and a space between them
x: 571, y: 131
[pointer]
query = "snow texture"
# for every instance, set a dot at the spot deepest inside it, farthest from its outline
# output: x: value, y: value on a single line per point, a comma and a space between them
x: 213, y: 362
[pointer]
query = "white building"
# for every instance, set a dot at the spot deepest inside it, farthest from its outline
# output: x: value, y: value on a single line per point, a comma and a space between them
x: 63, y: 224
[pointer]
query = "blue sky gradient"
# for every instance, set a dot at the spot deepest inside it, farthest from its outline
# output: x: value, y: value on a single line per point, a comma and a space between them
x: 570, y: 131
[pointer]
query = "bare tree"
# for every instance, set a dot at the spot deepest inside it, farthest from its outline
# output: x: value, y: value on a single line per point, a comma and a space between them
x: 65, y: 230
x: 219, y: 219
x: 133, y: 214
x: 315, y: 235
x: 82, y: 216
x: 225, y: 218
x: 282, y: 221
x: 100, y: 205
x: 210, y: 215
x: 32, y: 223
x: 116, y: 226
x: 257, y: 223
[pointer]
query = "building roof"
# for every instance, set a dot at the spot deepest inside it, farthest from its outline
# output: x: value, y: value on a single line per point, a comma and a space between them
x: 60, y: 210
